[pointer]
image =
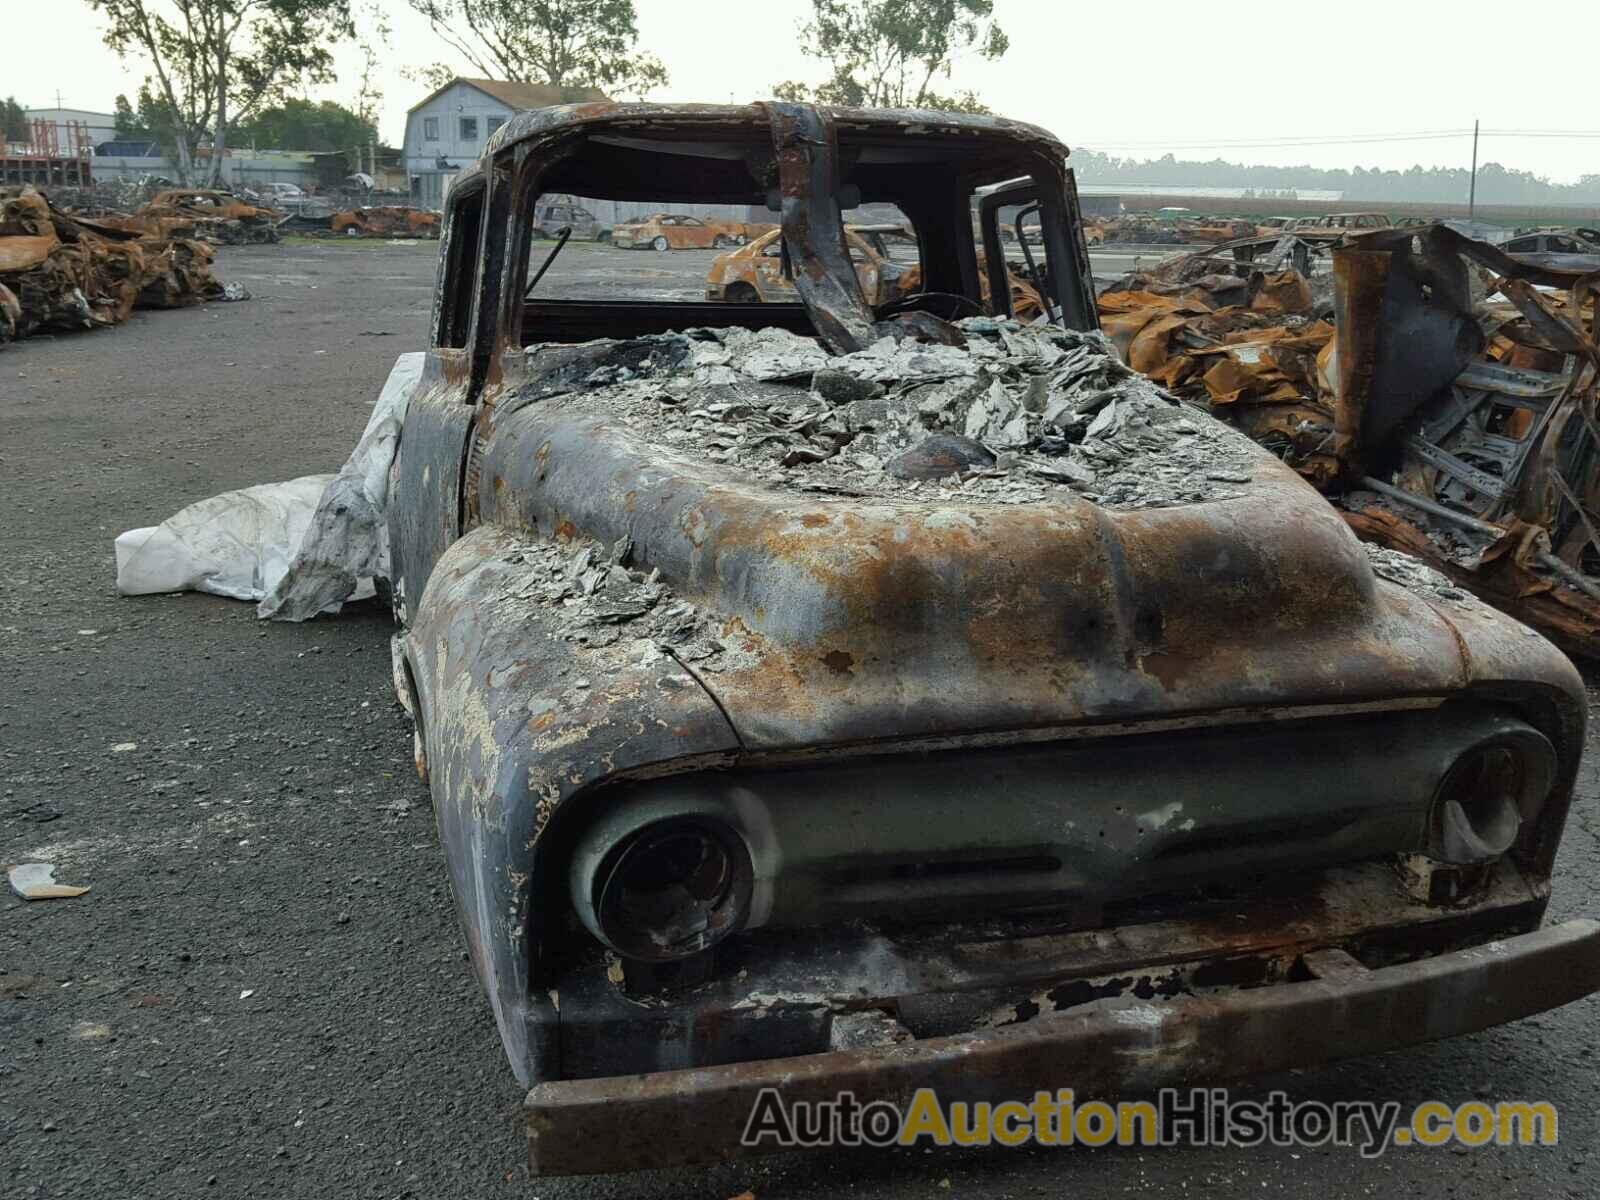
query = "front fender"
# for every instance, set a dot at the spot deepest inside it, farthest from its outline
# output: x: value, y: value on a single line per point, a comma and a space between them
x: 515, y: 720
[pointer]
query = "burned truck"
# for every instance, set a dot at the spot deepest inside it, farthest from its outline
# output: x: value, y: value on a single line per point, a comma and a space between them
x: 832, y: 697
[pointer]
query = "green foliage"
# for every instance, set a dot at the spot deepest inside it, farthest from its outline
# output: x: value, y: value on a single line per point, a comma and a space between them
x: 889, y: 53
x: 563, y: 43
x: 14, y: 120
x: 213, y: 62
x: 303, y: 125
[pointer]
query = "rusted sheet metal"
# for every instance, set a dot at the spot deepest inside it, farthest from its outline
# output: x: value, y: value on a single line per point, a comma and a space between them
x: 65, y: 274
x: 429, y: 473
x: 816, y: 255
x: 963, y: 976
x: 865, y: 622
x: 518, y: 719
x: 10, y: 314
x: 703, y: 120
x: 1106, y: 1049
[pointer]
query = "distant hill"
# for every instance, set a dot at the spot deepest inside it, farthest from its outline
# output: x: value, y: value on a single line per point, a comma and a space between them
x: 1496, y: 184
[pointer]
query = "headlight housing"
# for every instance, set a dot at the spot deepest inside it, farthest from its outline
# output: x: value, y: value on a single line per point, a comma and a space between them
x: 665, y: 891
x: 1488, y: 794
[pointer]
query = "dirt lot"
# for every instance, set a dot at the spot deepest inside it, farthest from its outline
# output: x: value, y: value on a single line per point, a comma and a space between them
x: 265, y: 994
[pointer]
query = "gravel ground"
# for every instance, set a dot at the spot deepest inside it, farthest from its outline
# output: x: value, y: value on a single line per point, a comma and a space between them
x: 264, y: 993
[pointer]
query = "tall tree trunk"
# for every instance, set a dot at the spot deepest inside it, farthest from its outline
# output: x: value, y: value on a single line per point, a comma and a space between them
x: 219, y: 140
x: 180, y: 144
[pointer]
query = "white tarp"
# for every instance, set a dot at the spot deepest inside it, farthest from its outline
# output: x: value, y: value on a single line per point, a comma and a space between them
x: 300, y: 547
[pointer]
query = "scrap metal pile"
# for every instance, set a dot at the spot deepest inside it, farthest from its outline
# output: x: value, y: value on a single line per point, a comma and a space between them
x: 1142, y: 229
x: 60, y: 273
x: 1443, y: 396
x: 200, y: 214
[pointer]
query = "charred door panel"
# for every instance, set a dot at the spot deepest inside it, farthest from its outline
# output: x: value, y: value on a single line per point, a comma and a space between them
x: 425, y: 517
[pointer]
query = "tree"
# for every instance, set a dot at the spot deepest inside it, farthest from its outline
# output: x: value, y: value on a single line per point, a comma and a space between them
x: 889, y: 53
x: 130, y: 125
x: 214, y: 62
x: 14, y: 119
x: 304, y: 125
x: 373, y: 39
x: 562, y: 43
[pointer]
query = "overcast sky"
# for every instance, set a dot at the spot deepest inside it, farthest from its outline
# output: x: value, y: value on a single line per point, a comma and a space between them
x: 1242, y: 81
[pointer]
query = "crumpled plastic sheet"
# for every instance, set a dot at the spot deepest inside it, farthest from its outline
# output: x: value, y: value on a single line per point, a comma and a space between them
x: 347, y: 545
x: 301, y: 547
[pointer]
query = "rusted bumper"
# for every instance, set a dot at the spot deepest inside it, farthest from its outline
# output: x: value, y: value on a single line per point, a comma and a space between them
x: 1103, y: 1049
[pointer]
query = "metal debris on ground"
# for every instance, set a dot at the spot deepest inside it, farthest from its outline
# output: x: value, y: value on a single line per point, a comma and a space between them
x: 218, y: 217
x: 1442, y: 392
x: 1466, y: 420
x: 59, y: 272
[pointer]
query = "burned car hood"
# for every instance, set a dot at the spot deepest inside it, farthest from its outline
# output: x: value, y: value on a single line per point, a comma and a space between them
x: 931, y: 542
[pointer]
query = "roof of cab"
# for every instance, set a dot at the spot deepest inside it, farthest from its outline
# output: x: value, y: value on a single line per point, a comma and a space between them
x: 618, y: 117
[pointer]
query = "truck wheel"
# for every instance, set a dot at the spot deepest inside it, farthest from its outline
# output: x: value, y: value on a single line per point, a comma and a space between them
x: 660, y: 244
x: 603, y: 237
x: 741, y: 293
x: 352, y: 231
x: 721, y: 241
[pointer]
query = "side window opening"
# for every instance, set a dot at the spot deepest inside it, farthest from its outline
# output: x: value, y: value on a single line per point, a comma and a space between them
x: 461, y: 259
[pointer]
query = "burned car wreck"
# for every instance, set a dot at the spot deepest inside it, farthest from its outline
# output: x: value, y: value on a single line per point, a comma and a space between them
x: 832, y: 697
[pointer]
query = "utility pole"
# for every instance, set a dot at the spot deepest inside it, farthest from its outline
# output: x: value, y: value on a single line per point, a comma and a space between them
x: 1472, y: 194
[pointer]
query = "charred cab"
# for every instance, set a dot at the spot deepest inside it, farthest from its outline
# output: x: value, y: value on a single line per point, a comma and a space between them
x: 1095, y: 773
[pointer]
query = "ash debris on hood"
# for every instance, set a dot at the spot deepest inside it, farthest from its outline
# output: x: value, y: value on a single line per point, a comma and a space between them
x: 600, y: 600
x: 1021, y: 414
x: 1417, y: 577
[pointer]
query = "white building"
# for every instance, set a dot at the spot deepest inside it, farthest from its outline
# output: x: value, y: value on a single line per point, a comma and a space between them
x: 446, y: 132
x: 96, y: 127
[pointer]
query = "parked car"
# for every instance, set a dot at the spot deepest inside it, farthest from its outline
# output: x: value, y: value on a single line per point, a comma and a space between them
x: 753, y: 274
x: 1341, y: 221
x: 672, y: 231
x: 1577, y: 249
x: 386, y: 221
x: 281, y: 191
x: 549, y: 218
x: 763, y: 760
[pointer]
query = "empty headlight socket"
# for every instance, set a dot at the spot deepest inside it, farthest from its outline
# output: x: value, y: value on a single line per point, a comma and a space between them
x: 1491, y: 792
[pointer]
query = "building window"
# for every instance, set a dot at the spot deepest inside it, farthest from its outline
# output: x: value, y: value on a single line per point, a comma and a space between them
x: 490, y: 124
x: 430, y: 129
x: 469, y: 129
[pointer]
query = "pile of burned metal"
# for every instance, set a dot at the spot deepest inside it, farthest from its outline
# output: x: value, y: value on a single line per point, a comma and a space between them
x: 203, y: 215
x: 60, y: 273
x: 1441, y: 391
x: 1140, y: 229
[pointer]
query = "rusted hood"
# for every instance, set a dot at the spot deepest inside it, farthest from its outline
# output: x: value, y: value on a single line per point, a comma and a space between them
x: 857, y: 619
